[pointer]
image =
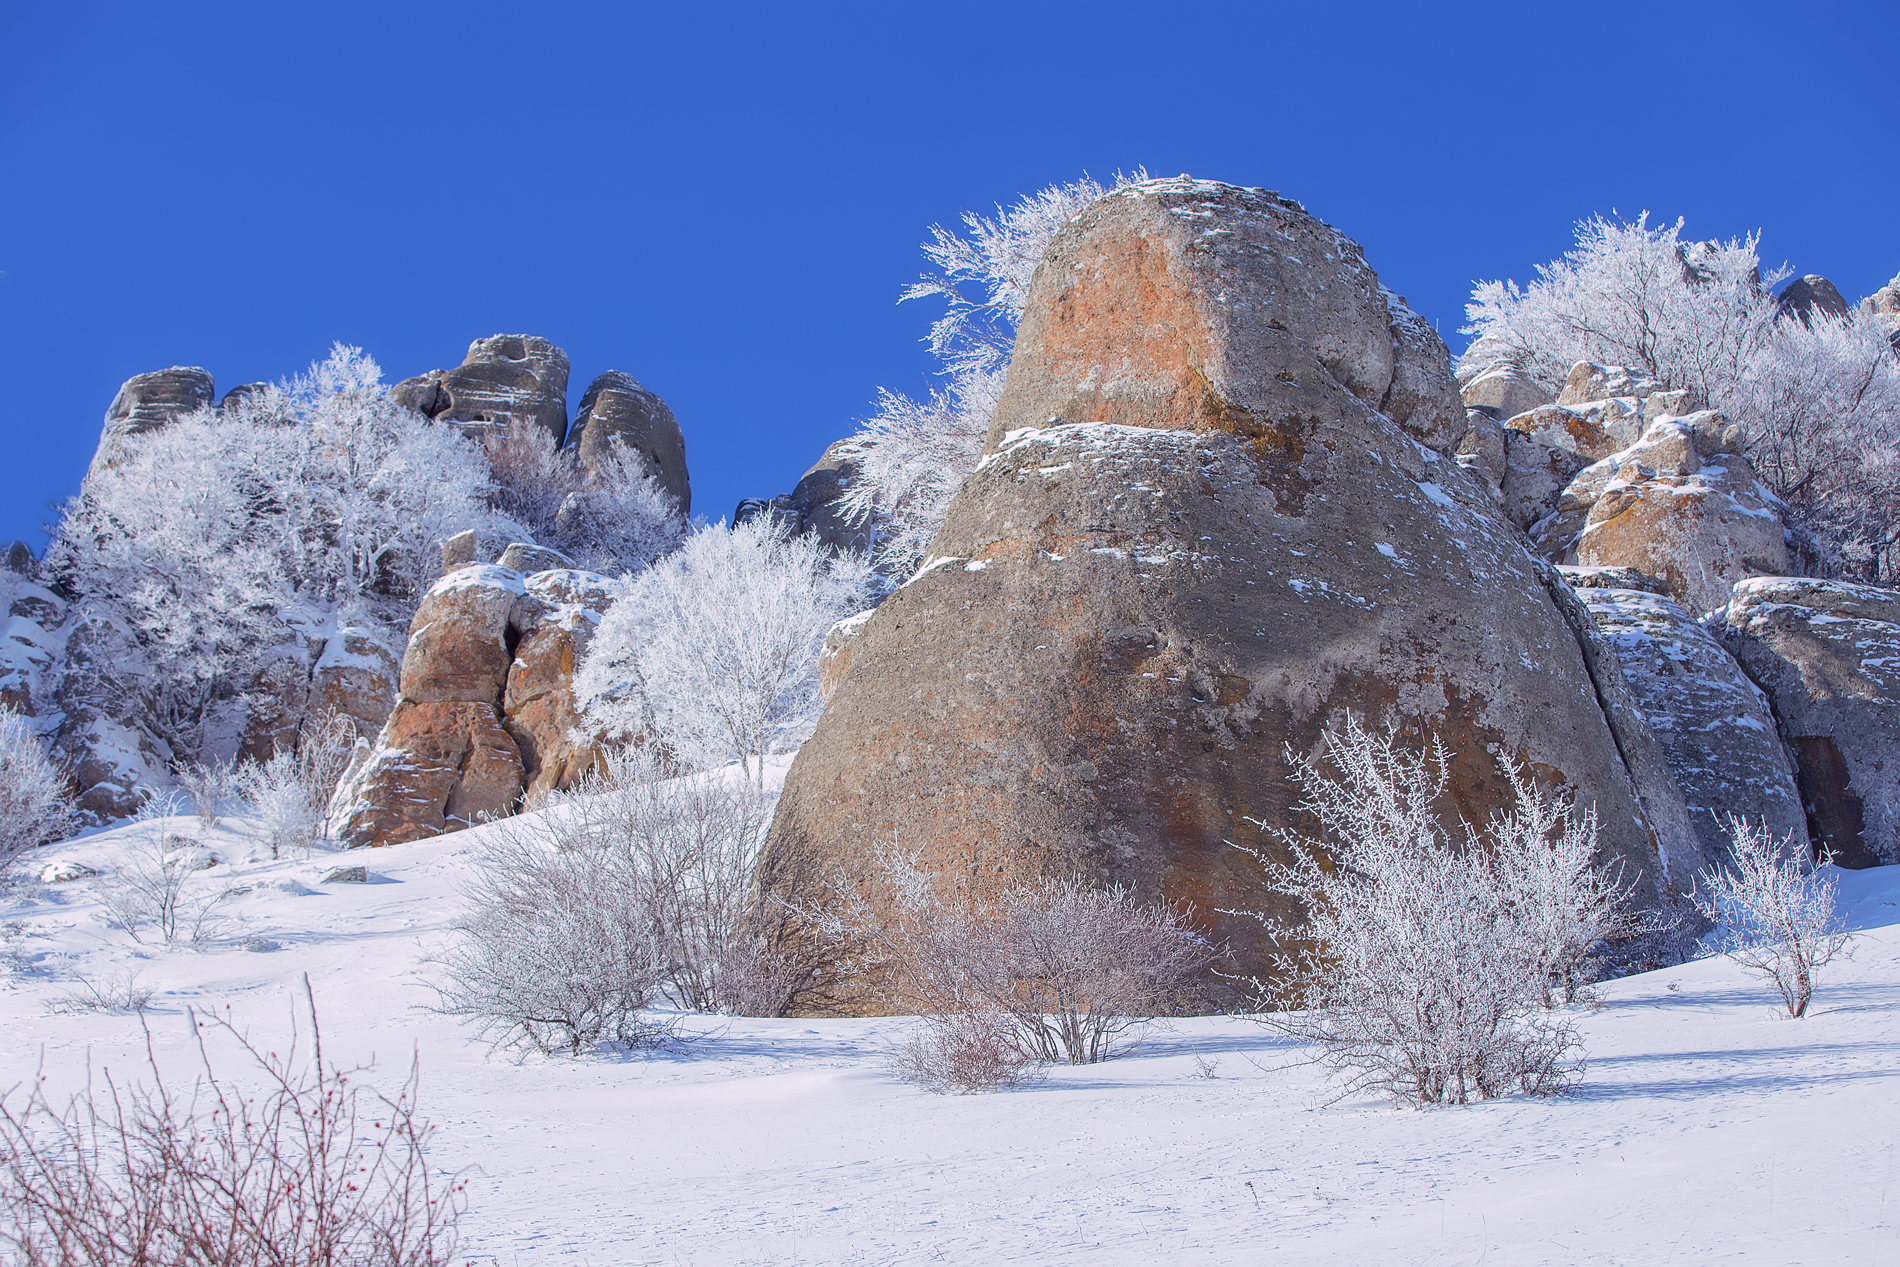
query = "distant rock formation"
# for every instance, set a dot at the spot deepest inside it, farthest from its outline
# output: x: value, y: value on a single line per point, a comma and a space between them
x: 1827, y: 653
x: 815, y: 504
x: 1884, y: 306
x: 616, y: 406
x: 504, y: 378
x: 486, y: 712
x: 1805, y: 296
x: 148, y: 401
x: 1196, y: 541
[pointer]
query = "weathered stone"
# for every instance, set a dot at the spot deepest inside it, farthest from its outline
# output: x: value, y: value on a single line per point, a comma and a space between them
x: 1535, y: 475
x: 148, y: 401
x: 1674, y: 404
x: 1827, y: 653
x: 337, y: 673
x: 1193, y: 543
x: 19, y: 559
x: 458, y: 641
x: 1591, y: 431
x: 541, y: 710
x: 1701, y: 524
x: 459, y: 550
x: 235, y: 398
x: 1581, y: 579
x: 1503, y: 393
x: 1884, y: 306
x: 1423, y: 397
x: 1805, y: 296
x: 504, y: 378
x: 346, y: 875
x: 818, y: 496
x: 437, y: 767
x: 1482, y: 450
x: 1713, y: 723
x: 616, y: 406
x: 525, y: 558
x: 1589, y: 381
x: 834, y: 658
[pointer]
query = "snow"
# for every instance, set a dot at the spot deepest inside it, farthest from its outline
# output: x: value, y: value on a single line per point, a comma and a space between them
x: 1706, y: 1130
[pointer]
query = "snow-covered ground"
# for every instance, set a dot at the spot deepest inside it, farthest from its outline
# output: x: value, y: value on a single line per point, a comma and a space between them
x: 1706, y: 1130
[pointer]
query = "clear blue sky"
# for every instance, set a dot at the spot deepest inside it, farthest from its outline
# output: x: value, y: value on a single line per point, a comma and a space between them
x: 725, y: 200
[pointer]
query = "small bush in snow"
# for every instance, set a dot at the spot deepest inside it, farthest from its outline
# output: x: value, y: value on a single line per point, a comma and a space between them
x: 1423, y: 965
x: 35, y: 804
x: 1069, y: 967
x: 211, y: 787
x: 962, y: 1053
x: 301, y: 1172
x: 153, y: 891
x: 1775, y: 912
x: 116, y: 992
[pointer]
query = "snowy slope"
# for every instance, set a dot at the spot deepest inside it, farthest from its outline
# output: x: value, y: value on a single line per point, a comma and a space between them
x: 1706, y: 1130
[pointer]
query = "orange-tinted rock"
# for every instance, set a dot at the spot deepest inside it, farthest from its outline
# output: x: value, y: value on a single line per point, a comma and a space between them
x: 542, y: 712
x: 1194, y: 543
x: 437, y: 767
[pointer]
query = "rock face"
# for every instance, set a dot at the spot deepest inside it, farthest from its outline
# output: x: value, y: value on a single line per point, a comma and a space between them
x: 1805, y: 296
x: 1502, y: 392
x: 616, y: 406
x: 816, y: 505
x: 148, y: 401
x: 1884, y: 306
x: 486, y: 712
x: 1195, y: 541
x: 503, y: 378
x: 1714, y: 724
x: 1827, y: 653
x: 335, y: 672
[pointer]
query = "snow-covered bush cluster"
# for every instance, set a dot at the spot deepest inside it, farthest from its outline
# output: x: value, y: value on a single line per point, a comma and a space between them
x: 1425, y: 965
x: 615, y: 518
x: 1817, y: 396
x: 35, y: 804
x: 713, y: 651
x: 1047, y: 971
x: 913, y: 455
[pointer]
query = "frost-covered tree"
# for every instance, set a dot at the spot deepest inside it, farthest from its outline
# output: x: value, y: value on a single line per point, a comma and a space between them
x: 713, y: 651
x: 1817, y: 400
x: 914, y: 455
x: 1774, y: 911
x: 613, y: 519
x: 35, y: 805
x: 315, y: 498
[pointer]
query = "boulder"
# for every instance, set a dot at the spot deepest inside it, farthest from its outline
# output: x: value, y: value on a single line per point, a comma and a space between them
x: 539, y: 705
x: 458, y: 640
x: 436, y: 767
x: 520, y: 556
x: 817, y: 498
x: 616, y: 406
x: 1700, y: 523
x: 1803, y: 297
x: 1714, y: 724
x: 326, y: 674
x: 1503, y: 392
x: 834, y: 658
x: 148, y: 401
x: 1589, y: 381
x: 1581, y: 579
x: 234, y: 399
x: 1536, y: 472
x: 1194, y: 544
x: 504, y: 378
x: 1482, y: 451
x: 19, y: 559
x: 1827, y: 653
x: 1423, y: 397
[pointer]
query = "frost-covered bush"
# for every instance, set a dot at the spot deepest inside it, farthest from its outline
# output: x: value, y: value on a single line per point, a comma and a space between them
x: 712, y: 653
x: 287, y: 796
x: 1774, y: 912
x: 962, y: 1053
x: 190, y: 555
x: 615, y: 519
x: 1817, y: 398
x: 35, y: 803
x: 1058, y: 968
x: 156, y: 890
x: 302, y: 1171
x: 914, y: 455
x: 1421, y: 964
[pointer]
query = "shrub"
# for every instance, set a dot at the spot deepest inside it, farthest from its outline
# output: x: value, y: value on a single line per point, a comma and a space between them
x: 1422, y: 965
x: 302, y: 1172
x: 1774, y: 912
x: 35, y: 805
x: 1063, y: 968
x: 963, y: 1053
x: 153, y: 889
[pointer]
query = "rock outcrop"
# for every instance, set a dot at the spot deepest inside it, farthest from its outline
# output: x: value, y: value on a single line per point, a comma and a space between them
x: 336, y: 672
x: 486, y: 713
x: 1827, y: 653
x: 1884, y: 306
x: 816, y: 504
x: 1805, y: 296
x: 1715, y: 727
x: 504, y: 378
x: 148, y: 401
x: 1196, y: 542
x: 617, y: 407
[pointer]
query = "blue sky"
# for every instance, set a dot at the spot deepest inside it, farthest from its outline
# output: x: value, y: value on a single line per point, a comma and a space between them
x: 725, y: 200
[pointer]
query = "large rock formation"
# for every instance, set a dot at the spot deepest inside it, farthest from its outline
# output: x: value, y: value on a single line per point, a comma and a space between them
x: 486, y: 712
x: 148, y: 401
x: 1196, y: 542
x: 504, y: 378
x: 1713, y: 724
x: 617, y: 407
x: 1827, y: 653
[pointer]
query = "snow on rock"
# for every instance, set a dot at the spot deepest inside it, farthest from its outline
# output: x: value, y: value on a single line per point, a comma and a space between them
x: 1179, y: 518
x: 1827, y: 653
x: 1714, y: 725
